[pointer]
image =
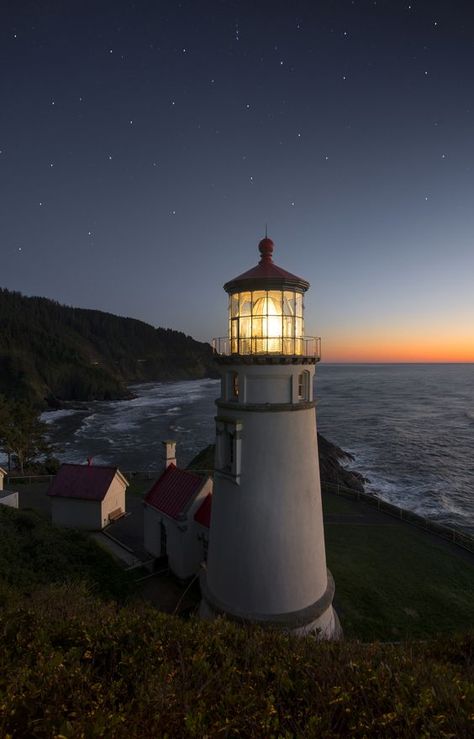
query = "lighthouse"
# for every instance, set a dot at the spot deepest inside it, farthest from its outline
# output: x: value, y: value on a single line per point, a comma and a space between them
x: 266, y: 559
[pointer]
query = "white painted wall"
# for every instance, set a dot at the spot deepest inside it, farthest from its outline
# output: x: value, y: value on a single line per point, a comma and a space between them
x: 114, y: 498
x: 184, y: 544
x: 2, y: 475
x: 266, y: 548
x: 185, y: 548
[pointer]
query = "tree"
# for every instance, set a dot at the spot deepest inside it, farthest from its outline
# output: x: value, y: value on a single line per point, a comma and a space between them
x: 23, y: 436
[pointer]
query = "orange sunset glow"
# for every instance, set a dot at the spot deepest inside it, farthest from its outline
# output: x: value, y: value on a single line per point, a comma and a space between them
x: 398, y: 348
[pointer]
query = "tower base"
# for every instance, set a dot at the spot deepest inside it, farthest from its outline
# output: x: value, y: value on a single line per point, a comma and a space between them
x: 319, y: 619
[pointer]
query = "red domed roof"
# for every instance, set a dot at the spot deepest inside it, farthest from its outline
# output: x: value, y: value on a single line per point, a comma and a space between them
x: 266, y: 275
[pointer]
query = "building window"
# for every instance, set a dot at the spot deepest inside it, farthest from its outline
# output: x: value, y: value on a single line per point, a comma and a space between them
x: 303, y: 386
x: 235, y: 385
x: 228, y: 448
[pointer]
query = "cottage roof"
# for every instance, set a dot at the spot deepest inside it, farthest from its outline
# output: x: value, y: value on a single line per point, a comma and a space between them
x: 203, y: 513
x: 174, y: 490
x: 3, y: 472
x: 84, y: 481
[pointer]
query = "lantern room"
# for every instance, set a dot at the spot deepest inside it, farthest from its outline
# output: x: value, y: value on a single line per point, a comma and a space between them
x: 266, y: 311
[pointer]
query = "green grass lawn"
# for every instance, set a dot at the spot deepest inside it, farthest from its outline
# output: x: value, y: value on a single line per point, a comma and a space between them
x: 138, y: 486
x: 394, y: 582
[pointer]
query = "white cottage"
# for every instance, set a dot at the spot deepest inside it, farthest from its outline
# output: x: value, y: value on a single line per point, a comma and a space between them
x: 87, y: 496
x: 3, y: 474
x: 172, y: 525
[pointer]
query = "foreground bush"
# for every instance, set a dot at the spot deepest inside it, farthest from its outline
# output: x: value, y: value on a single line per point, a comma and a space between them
x: 33, y: 553
x: 75, y: 666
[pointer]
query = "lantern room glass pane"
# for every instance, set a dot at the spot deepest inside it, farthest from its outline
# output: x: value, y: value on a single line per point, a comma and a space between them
x: 299, y: 328
x: 288, y: 303
x: 266, y: 321
x: 245, y: 304
x: 299, y: 304
x: 234, y: 305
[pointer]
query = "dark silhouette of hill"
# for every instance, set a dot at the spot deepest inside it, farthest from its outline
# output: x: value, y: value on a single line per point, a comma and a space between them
x: 50, y: 353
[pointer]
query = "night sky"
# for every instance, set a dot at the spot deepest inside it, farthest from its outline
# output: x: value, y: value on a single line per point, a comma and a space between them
x: 144, y: 146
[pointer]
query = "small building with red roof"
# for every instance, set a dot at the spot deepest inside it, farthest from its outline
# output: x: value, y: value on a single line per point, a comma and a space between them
x: 170, y: 525
x: 87, y: 496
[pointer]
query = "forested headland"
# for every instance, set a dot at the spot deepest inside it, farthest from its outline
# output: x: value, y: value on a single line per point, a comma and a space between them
x: 51, y: 353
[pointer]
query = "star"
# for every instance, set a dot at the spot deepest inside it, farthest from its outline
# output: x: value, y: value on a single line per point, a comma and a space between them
x: 110, y: 156
x: 51, y: 164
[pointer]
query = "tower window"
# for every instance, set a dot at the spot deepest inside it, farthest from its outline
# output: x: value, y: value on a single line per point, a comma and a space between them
x: 235, y: 385
x: 228, y: 448
x: 303, y: 385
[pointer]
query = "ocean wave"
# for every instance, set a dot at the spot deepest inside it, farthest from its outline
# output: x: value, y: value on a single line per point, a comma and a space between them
x: 53, y: 416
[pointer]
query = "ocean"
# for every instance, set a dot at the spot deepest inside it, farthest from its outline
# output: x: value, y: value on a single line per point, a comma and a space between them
x: 410, y: 428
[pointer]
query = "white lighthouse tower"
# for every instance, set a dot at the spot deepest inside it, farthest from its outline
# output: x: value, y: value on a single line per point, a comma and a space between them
x: 266, y: 560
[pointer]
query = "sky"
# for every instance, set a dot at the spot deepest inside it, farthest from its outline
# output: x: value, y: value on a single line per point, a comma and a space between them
x: 145, y: 145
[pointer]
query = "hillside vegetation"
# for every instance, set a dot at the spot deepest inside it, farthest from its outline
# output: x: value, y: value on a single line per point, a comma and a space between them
x: 51, y: 353
x: 80, y: 657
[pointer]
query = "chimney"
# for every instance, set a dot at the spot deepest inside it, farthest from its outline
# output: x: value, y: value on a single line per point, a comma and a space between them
x: 170, y: 453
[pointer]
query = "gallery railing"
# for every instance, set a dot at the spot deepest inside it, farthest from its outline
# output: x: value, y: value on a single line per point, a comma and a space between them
x: 303, y: 346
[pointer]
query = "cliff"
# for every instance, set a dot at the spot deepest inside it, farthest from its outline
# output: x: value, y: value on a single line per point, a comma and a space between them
x: 50, y: 353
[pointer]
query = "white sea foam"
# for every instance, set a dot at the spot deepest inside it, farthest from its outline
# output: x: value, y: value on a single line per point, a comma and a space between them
x: 407, y: 427
x: 53, y: 416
